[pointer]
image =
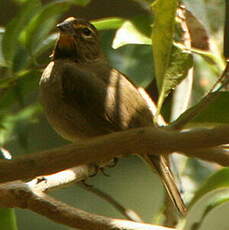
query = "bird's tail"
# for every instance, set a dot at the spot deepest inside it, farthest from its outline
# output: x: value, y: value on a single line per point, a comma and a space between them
x: 159, y: 163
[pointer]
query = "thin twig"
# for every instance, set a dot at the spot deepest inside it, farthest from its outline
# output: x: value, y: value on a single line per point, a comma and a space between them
x: 128, y: 213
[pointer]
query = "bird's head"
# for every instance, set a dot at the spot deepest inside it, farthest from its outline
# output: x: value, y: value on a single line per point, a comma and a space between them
x: 78, y: 40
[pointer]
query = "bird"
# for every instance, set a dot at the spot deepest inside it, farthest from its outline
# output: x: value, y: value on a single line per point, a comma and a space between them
x: 83, y: 96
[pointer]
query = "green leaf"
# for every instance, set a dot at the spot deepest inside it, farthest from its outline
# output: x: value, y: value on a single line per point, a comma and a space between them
x: 220, y: 179
x: 108, y: 23
x: 134, y: 31
x: 21, y: 59
x: 7, y: 219
x: 217, y: 63
x: 216, y: 112
x: 137, y: 65
x: 46, y: 44
x: 13, y: 29
x: 44, y: 21
x: 41, y: 24
x: 22, y: 121
x: 22, y: 83
x: 129, y: 34
x: 16, y: 124
x: 9, y: 81
x: 209, y: 203
x: 162, y: 36
x: 180, y: 62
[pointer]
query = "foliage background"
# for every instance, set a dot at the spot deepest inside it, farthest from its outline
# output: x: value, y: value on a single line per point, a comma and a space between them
x: 24, y: 128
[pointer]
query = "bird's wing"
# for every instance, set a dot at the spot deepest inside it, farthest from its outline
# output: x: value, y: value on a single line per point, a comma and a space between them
x: 106, y: 97
x: 86, y: 93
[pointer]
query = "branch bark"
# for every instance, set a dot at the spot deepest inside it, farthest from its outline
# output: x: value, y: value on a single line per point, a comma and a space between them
x: 20, y: 195
x: 61, y: 179
x: 142, y: 141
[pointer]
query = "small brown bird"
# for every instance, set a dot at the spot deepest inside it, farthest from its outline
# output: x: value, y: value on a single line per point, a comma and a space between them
x: 83, y: 96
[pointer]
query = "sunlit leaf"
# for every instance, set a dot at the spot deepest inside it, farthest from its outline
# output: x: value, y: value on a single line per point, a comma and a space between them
x: 108, y: 23
x: 195, y: 219
x: 134, y: 31
x: 129, y: 34
x: 216, y: 62
x: 13, y: 29
x: 180, y: 63
x: 162, y: 36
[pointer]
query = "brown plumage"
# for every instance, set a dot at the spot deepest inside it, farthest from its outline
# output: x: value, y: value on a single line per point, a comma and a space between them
x: 83, y: 96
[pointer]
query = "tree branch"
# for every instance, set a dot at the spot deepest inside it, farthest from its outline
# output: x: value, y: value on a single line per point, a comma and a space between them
x: 61, y: 179
x: 17, y: 194
x: 142, y: 141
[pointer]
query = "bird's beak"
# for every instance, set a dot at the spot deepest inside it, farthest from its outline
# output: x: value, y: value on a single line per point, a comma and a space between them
x: 64, y: 27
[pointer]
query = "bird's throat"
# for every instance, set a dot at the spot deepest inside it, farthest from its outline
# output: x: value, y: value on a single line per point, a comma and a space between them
x: 68, y: 47
x: 65, y: 48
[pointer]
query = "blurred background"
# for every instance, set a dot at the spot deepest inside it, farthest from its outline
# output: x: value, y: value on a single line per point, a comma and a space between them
x: 24, y: 128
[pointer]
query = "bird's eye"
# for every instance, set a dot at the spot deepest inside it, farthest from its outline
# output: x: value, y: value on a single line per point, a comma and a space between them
x: 87, y: 32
